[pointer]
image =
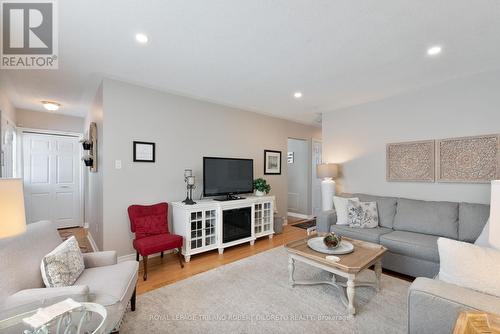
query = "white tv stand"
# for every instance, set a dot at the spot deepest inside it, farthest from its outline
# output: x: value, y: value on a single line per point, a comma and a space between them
x: 201, y: 224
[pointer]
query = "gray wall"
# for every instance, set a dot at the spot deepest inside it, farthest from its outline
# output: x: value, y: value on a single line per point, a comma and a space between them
x: 48, y: 121
x: 357, y: 137
x: 94, y: 181
x: 299, y: 177
x: 184, y: 131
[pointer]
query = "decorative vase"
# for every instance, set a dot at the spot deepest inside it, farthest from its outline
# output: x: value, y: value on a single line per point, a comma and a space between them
x: 259, y: 193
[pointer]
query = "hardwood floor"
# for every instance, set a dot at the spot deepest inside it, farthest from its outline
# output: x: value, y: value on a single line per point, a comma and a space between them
x: 80, y: 234
x: 167, y: 270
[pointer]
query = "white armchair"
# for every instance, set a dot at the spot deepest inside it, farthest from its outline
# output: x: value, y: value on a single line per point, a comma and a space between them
x: 104, y: 280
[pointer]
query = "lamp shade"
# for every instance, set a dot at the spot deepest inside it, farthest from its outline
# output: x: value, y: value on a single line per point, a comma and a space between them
x: 327, y: 171
x: 494, y: 237
x: 12, y: 215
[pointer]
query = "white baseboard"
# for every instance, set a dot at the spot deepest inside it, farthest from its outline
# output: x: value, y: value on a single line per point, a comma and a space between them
x: 131, y: 257
x: 299, y: 215
x: 92, y: 242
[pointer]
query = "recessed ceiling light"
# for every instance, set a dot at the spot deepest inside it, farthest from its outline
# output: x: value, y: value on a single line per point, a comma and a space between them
x: 434, y: 51
x: 51, y: 106
x: 297, y: 95
x: 141, y: 38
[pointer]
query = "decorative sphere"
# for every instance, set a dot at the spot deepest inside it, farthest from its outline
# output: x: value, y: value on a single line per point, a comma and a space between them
x: 332, y: 240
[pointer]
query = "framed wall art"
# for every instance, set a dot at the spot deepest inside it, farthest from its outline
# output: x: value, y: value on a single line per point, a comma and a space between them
x: 411, y: 161
x: 272, y: 162
x: 468, y: 159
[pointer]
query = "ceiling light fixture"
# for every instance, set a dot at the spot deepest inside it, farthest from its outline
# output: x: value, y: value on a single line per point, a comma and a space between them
x: 297, y: 95
x: 434, y: 51
x: 141, y: 38
x: 51, y: 106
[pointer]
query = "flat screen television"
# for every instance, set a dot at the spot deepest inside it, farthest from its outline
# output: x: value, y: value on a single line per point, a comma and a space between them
x: 227, y: 176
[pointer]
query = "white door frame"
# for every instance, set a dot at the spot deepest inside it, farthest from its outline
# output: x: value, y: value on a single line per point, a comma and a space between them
x: 20, y: 134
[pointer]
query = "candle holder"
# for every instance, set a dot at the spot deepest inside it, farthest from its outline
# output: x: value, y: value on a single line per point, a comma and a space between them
x: 190, y: 185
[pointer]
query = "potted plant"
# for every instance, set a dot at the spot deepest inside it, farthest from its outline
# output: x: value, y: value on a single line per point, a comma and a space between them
x: 261, y: 187
x: 88, y: 160
x: 86, y: 143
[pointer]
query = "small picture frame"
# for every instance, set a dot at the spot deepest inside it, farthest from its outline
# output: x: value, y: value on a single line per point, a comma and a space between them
x: 272, y: 162
x: 144, y: 151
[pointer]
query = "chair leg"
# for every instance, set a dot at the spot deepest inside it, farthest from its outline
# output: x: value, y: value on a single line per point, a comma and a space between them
x: 162, y: 255
x: 132, y: 301
x: 145, y: 261
x: 180, y: 257
x: 137, y: 256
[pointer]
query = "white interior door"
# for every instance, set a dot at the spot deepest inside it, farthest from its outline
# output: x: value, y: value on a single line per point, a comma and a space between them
x: 316, y: 183
x: 52, y: 179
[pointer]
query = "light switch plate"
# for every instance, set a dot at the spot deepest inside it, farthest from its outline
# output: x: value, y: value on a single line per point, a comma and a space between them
x: 118, y: 164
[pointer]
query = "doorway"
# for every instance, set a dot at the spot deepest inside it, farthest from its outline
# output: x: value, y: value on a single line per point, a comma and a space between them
x: 299, y: 178
x: 52, y: 176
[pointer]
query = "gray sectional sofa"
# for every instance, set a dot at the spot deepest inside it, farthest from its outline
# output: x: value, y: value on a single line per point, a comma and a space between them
x: 410, y: 228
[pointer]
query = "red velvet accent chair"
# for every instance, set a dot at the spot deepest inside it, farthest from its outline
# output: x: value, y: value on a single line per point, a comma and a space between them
x: 150, y: 225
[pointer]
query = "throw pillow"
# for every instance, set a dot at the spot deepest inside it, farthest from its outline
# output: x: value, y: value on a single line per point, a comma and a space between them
x: 63, y: 265
x: 340, y: 204
x: 150, y: 225
x: 362, y: 214
x: 483, y: 239
x: 469, y: 266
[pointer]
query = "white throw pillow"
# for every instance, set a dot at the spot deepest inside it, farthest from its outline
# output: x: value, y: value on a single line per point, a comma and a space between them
x: 340, y: 204
x: 469, y: 266
x: 63, y: 265
x: 483, y: 239
x: 362, y: 214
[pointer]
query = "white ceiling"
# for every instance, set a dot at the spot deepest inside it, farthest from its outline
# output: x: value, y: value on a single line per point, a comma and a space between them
x: 255, y: 54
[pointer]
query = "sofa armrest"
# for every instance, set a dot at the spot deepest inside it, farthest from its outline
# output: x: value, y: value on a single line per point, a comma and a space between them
x: 325, y: 219
x: 29, y: 299
x: 434, y: 306
x: 99, y: 259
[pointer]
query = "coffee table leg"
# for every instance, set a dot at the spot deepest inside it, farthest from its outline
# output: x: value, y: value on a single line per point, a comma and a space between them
x: 291, y: 269
x: 350, y: 295
x: 378, y: 273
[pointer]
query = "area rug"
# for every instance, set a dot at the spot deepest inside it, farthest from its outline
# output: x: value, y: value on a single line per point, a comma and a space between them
x: 253, y: 296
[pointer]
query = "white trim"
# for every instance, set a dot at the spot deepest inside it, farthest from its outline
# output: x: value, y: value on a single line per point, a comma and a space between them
x: 52, y: 132
x: 92, y: 241
x: 299, y: 215
x: 131, y: 257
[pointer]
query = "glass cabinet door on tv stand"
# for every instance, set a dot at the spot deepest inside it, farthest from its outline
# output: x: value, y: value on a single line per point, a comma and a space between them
x: 202, y: 230
x: 263, y: 217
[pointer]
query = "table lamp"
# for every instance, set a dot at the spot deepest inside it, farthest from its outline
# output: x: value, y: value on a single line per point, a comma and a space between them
x: 494, y: 237
x: 12, y: 214
x: 327, y: 172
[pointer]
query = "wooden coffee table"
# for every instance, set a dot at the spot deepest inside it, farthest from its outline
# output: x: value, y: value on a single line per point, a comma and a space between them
x: 350, y: 265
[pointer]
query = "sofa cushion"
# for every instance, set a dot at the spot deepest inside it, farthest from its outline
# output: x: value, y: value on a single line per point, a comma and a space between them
x: 109, y: 285
x: 422, y: 246
x: 386, y: 208
x: 469, y: 266
x: 435, y: 218
x: 471, y: 220
x: 63, y: 265
x: 365, y: 234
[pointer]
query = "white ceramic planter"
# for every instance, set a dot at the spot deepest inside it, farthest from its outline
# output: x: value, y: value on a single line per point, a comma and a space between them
x: 259, y: 193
